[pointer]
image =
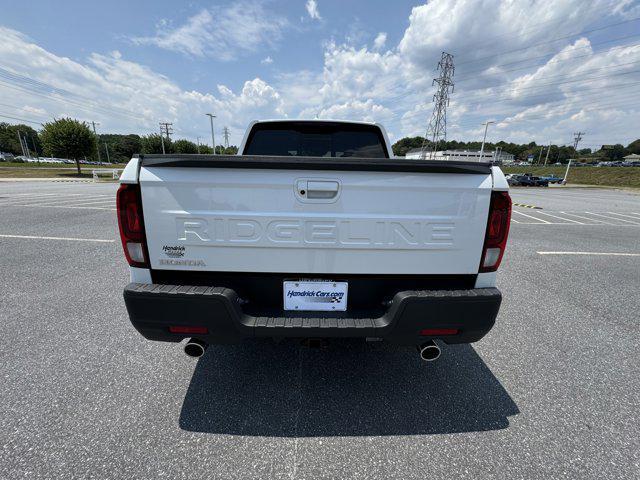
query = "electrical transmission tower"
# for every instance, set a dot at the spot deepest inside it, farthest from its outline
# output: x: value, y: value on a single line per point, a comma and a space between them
x: 225, y: 133
x: 437, y: 128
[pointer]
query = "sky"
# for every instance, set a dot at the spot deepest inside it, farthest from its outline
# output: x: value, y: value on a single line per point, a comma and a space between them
x: 539, y: 69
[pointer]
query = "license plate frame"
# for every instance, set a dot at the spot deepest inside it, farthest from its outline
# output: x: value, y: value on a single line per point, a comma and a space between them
x: 315, y: 295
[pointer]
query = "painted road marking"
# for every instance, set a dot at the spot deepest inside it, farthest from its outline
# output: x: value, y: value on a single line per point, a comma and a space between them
x: 561, y: 218
x: 534, y: 218
x: 58, y: 199
x: 588, y: 218
x: 612, y: 218
x: 526, y: 206
x: 611, y: 254
x: 66, y: 206
x: 70, y: 239
x: 624, y: 215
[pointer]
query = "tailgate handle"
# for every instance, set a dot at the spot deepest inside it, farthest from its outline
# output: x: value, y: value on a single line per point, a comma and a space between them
x: 322, y: 189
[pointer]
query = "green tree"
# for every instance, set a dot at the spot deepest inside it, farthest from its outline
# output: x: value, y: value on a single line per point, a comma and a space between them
x: 153, y: 144
x: 615, y: 152
x: 402, y: 146
x: 184, y: 146
x: 10, y: 143
x: 634, y: 147
x: 231, y: 150
x: 68, y: 138
x: 121, y: 147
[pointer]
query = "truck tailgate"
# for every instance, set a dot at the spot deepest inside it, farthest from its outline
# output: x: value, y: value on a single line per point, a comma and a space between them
x: 292, y: 216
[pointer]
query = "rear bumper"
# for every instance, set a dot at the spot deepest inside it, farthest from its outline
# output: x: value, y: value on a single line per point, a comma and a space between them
x: 153, y: 308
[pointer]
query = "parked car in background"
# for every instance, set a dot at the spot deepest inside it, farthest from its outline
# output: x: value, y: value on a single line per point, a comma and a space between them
x: 539, y: 182
x: 528, y: 180
x: 513, y: 179
x: 552, y: 179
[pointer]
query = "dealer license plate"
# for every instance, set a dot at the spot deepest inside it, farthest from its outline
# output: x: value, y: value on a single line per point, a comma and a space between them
x: 315, y: 296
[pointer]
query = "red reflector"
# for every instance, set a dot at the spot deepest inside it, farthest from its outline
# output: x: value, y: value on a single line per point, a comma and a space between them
x: 189, y: 330
x: 432, y: 332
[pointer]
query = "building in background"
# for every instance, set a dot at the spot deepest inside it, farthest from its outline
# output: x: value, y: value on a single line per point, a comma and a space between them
x: 634, y: 157
x: 466, y: 155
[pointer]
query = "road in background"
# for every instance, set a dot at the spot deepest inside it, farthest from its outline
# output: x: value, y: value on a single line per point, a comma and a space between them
x: 552, y: 391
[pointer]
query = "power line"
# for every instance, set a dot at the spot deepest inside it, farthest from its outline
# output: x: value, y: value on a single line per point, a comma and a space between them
x: 400, y: 82
x: 482, y: 91
x: 493, y: 96
x: 36, y: 86
x: 21, y: 119
x: 557, y: 39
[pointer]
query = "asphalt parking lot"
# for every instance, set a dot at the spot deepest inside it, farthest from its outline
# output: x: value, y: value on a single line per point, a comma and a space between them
x: 552, y: 392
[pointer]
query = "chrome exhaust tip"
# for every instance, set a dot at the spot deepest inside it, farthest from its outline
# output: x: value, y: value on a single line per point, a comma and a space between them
x: 429, y: 351
x: 195, y: 348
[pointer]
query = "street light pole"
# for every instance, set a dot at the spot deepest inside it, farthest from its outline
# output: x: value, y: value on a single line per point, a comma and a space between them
x: 213, y: 138
x: 484, y: 139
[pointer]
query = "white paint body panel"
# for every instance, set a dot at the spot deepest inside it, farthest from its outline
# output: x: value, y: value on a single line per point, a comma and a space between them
x: 139, y: 275
x: 245, y: 220
x: 500, y: 183
x: 130, y: 172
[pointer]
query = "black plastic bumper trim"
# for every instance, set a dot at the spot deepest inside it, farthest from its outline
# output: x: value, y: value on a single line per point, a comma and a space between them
x: 153, y: 308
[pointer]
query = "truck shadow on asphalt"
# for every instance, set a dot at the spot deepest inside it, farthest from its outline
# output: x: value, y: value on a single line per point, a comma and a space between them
x: 349, y: 389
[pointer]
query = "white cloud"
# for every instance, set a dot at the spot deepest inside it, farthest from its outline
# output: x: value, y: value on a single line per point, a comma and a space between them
x: 563, y: 86
x: 266, y: 61
x: 355, y: 109
x: 312, y: 10
x: 223, y: 33
x: 380, y: 41
x: 124, y: 96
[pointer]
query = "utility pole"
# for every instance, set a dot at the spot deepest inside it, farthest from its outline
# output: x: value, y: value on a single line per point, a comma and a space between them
x: 437, y: 128
x: 21, y: 144
x: 106, y: 149
x: 546, y: 159
x: 226, y: 137
x: 540, y: 156
x: 577, y: 136
x: 165, y: 129
x: 198, y: 144
x: 35, y: 150
x: 97, y: 139
x: 484, y: 139
x: 497, y: 154
x: 213, y: 138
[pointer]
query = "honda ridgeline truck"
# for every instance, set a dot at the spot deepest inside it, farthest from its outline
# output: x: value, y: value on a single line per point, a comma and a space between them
x: 312, y: 231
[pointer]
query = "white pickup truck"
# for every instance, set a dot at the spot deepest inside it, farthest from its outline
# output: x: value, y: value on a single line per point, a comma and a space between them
x: 313, y: 231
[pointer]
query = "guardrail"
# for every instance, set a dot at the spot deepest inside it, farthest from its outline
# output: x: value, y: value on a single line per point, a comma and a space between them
x: 114, y: 172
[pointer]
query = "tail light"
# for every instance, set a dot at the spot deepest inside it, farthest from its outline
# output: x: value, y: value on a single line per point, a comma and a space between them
x: 130, y: 221
x: 495, y: 239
